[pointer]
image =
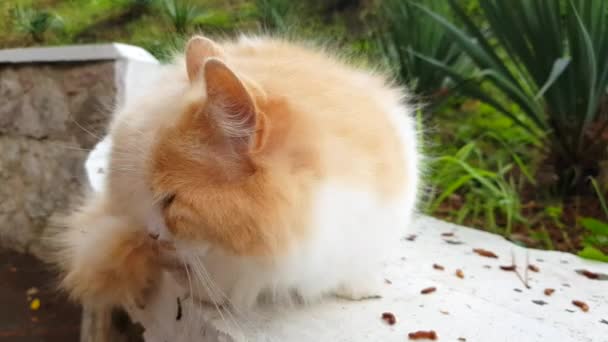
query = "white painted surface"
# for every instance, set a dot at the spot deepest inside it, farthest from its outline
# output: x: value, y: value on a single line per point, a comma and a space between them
x: 489, y: 304
x: 87, y: 52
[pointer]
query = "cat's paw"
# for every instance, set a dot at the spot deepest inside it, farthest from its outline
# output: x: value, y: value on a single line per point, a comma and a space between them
x: 360, y: 290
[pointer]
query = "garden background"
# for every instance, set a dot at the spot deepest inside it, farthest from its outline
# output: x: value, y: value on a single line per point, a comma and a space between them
x: 513, y: 96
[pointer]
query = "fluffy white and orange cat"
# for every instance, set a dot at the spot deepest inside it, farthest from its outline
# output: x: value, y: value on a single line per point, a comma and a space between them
x: 263, y: 166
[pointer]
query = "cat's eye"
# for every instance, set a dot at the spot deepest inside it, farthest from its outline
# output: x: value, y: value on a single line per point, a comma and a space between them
x: 167, y: 200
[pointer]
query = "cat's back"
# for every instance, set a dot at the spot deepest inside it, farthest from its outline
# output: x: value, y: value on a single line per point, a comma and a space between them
x: 350, y: 118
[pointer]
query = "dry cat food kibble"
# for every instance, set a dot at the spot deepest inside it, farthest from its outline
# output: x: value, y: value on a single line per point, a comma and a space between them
x: 389, y: 318
x: 423, y: 335
x: 428, y: 290
x: 549, y: 292
x: 588, y: 274
x: 485, y: 253
x: 438, y: 267
x: 411, y: 237
x: 508, y: 268
x: 460, y: 274
x: 582, y: 305
x: 533, y: 268
x: 447, y: 234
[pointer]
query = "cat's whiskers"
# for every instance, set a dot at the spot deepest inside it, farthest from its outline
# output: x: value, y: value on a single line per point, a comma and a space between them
x: 215, y: 291
x: 203, y: 281
x: 85, y: 129
x: 190, y: 293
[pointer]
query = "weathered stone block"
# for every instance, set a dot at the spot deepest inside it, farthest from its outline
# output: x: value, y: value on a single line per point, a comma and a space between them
x: 55, y: 104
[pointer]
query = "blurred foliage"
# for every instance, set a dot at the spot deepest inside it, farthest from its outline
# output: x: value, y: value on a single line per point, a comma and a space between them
x: 596, y: 236
x: 557, y: 73
x: 515, y: 91
x: 182, y: 14
x: 403, y: 33
x: 34, y: 22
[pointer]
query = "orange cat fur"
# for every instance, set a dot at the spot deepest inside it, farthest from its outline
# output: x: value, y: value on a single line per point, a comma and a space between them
x: 273, y: 166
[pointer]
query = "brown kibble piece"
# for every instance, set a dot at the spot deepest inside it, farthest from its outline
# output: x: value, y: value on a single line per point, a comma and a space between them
x: 388, y: 281
x: 533, y: 268
x: 411, y: 237
x: 485, y: 253
x: 438, y: 267
x: 582, y: 305
x: 460, y: 274
x: 428, y: 290
x: 419, y: 335
x: 389, y: 318
x: 508, y: 268
x: 447, y: 234
x: 462, y: 339
x: 549, y: 292
x: 588, y: 274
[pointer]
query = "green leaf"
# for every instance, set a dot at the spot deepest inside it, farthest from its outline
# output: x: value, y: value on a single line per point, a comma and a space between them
x: 600, y: 196
x: 450, y: 190
x: 593, y: 253
x: 595, y: 226
x: 558, y: 68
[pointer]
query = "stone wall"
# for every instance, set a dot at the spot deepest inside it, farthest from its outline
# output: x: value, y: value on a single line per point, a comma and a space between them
x: 50, y: 115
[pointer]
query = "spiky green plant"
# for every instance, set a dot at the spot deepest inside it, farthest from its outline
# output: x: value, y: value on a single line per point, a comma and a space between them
x: 557, y: 73
x: 182, y: 14
x: 34, y: 22
x: 402, y: 32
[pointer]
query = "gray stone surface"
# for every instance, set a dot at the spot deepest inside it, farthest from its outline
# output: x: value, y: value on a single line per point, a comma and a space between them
x: 50, y: 115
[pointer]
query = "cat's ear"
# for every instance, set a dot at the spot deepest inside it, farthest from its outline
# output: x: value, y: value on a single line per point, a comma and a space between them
x: 230, y: 106
x: 198, y: 49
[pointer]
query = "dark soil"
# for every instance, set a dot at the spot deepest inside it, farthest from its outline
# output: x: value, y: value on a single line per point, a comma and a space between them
x: 56, y: 320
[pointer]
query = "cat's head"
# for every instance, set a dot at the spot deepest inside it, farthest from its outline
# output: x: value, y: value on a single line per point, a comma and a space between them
x: 217, y: 168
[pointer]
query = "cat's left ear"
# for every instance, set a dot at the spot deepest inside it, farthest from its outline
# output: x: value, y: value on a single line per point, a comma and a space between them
x: 230, y: 107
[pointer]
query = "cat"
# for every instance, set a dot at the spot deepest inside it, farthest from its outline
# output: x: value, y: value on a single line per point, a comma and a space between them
x: 255, y: 166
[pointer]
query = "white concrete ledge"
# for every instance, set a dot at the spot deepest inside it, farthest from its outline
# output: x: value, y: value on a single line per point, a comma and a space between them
x: 487, y: 304
x: 87, y: 52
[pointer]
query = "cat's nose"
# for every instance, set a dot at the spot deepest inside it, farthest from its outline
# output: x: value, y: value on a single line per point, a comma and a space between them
x: 156, y: 227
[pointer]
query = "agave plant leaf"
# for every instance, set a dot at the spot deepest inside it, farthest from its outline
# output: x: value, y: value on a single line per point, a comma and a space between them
x: 558, y: 68
x: 402, y: 33
x: 549, y: 58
